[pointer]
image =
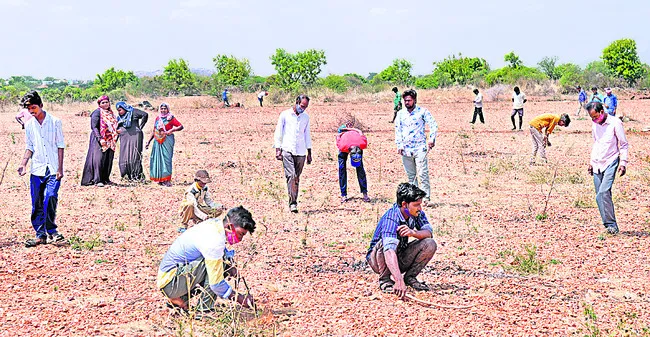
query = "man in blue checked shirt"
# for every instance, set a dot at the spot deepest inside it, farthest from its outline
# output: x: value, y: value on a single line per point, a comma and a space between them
x: 610, y: 102
x: 582, y: 99
x: 391, y: 253
x: 411, y: 141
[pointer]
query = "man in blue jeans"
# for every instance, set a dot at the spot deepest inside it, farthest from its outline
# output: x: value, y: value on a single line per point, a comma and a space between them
x: 44, y: 144
x: 608, y: 154
x: 224, y: 97
x: 351, y: 141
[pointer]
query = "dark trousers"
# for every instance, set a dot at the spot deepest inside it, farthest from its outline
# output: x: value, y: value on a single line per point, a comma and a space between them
x: 261, y: 100
x: 478, y: 111
x: 343, y: 175
x: 293, y: 166
x: 411, y: 259
x: 45, y: 195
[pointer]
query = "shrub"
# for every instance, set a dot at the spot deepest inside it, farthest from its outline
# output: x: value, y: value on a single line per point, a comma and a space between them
x: 510, y: 75
x: 397, y: 73
x: 458, y: 70
x: 336, y: 83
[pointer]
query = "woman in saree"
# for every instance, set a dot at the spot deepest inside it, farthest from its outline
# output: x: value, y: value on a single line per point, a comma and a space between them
x: 130, y: 122
x: 162, y: 153
x: 101, y: 149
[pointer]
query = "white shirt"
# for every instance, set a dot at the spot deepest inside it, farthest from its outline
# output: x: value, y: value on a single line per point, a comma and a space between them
x: 44, y: 140
x: 261, y: 94
x: 478, y: 100
x: 292, y: 133
x: 518, y: 102
x: 609, y: 143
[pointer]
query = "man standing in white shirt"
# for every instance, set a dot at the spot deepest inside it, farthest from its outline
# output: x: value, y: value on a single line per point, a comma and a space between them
x: 608, y: 154
x: 260, y: 97
x: 518, y: 100
x: 478, y: 106
x: 292, y: 143
x: 44, y: 145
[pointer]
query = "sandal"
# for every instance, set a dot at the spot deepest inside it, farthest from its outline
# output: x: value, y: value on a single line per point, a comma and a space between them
x: 415, y: 284
x: 56, y: 237
x: 35, y: 242
x: 386, y: 286
x: 344, y: 199
x: 366, y: 198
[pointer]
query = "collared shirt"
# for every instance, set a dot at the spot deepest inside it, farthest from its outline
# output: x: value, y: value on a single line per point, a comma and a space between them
x: 609, y: 143
x: 24, y: 115
x: 596, y: 98
x: 224, y: 95
x: 201, y: 199
x: 292, y: 133
x: 478, y: 100
x: 582, y: 96
x: 261, y: 94
x: 386, y: 230
x: 612, y: 102
x: 518, y: 100
x: 545, y: 121
x: 397, y: 100
x: 206, y: 240
x: 44, y: 140
x: 409, y: 129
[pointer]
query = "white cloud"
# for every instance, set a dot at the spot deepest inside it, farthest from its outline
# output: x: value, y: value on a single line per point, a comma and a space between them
x: 377, y: 11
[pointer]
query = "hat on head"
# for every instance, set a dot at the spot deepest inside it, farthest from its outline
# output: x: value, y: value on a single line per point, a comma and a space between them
x: 202, y: 176
x: 355, y: 156
x: 608, y: 90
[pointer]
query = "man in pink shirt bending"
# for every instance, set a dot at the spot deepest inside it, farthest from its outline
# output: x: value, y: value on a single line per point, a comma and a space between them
x: 608, y: 154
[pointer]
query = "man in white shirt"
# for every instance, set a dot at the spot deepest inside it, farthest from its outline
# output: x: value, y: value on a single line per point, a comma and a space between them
x: 44, y: 145
x: 518, y: 100
x: 292, y: 143
x: 260, y: 97
x: 478, y: 106
x: 608, y: 154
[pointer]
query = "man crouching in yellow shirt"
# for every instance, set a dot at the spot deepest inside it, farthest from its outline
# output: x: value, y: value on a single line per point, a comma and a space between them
x: 540, y: 128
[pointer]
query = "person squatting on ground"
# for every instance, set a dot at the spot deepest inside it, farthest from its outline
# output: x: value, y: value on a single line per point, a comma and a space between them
x: 292, y: 141
x: 198, y: 204
x: 101, y: 147
x: 540, y: 128
x: 45, y: 145
x: 397, y: 103
x: 260, y: 97
x: 518, y: 100
x: 610, y: 102
x: 194, y: 264
x: 582, y: 100
x: 411, y: 141
x: 351, y: 141
x: 391, y: 253
x: 478, y: 107
x: 609, y: 153
x: 130, y: 122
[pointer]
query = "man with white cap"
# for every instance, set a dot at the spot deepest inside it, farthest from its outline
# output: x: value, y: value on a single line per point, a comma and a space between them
x: 610, y: 102
x: 351, y: 141
x: 198, y: 204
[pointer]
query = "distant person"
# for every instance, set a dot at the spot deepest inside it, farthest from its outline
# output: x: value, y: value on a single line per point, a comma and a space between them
x: 582, y: 99
x: 292, y: 142
x: 224, y: 97
x: 352, y: 142
x: 195, y: 265
x: 540, y: 128
x: 45, y: 145
x: 610, y: 150
x: 130, y: 122
x: 402, y: 244
x: 260, y: 97
x: 162, y: 153
x: 101, y: 147
x: 595, y: 96
x: 198, y: 204
x: 23, y: 117
x: 397, y: 103
x: 478, y: 106
x: 610, y: 102
x: 411, y: 140
x: 518, y: 100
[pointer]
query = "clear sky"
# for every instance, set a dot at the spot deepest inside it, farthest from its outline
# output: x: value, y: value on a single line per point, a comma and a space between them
x: 78, y: 39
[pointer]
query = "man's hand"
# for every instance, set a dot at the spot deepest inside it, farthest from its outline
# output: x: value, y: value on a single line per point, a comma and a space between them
x: 432, y: 144
x: 22, y: 170
x: 278, y: 154
x: 59, y: 174
x: 309, y: 159
x: 399, y: 288
x: 622, y: 170
x: 246, y: 301
x: 591, y: 170
x: 405, y: 231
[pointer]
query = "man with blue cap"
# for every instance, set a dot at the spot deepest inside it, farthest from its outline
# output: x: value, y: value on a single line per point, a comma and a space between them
x: 351, y: 141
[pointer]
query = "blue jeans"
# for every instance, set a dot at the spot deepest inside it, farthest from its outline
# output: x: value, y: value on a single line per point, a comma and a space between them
x: 343, y: 175
x: 603, y: 182
x: 45, y: 195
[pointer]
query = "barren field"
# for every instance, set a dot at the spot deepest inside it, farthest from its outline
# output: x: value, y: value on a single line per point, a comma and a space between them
x: 523, y: 274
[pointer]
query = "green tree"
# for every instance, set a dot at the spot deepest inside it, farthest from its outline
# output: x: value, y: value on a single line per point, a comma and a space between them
x: 457, y: 70
x: 336, y: 82
x: 570, y: 75
x: 299, y: 69
x: 621, y: 57
x: 513, y: 59
x: 397, y: 73
x: 548, y: 66
x: 178, y: 79
x: 231, y: 71
x: 113, y: 79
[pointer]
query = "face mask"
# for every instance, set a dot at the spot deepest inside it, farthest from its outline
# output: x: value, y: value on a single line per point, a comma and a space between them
x: 600, y: 119
x: 299, y: 109
x: 406, y: 210
x: 232, y: 238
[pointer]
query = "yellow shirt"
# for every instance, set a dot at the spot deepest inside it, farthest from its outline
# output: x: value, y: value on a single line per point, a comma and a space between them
x: 545, y: 121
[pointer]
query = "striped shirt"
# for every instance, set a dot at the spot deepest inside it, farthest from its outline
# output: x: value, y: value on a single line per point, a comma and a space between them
x: 410, y: 134
x: 386, y: 230
x: 44, y: 141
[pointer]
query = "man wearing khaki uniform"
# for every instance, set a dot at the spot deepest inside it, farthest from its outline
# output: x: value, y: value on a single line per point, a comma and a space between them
x: 198, y: 204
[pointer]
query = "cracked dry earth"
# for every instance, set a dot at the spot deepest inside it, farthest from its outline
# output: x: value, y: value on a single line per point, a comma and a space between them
x: 558, y: 276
